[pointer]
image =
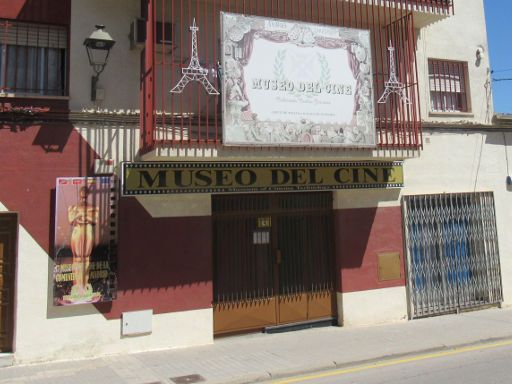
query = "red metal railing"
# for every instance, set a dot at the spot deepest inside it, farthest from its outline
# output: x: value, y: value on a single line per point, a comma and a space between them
x: 193, y: 118
x: 434, y: 6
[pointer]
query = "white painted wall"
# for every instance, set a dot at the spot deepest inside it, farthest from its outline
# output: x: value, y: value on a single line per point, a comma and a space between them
x: 452, y: 38
x: 47, y: 333
x: 458, y: 161
x: 457, y: 38
x: 464, y: 161
x: 117, y: 142
x: 120, y: 80
x: 372, y: 307
x: 455, y: 161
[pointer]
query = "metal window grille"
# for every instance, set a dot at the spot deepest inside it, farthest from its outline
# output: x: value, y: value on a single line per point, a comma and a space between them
x: 251, y: 230
x: 194, y: 118
x: 452, y: 252
x: 33, y: 58
x: 448, y: 88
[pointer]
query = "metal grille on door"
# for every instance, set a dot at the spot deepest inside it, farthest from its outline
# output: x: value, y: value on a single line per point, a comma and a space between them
x: 273, y: 259
x: 452, y: 252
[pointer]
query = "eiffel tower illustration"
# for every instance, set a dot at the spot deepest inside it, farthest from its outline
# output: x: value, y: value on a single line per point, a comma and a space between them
x: 393, y: 85
x: 194, y: 71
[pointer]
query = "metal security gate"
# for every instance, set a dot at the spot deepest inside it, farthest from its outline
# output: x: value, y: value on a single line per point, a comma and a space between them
x: 273, y: 260
x: 452, y: 252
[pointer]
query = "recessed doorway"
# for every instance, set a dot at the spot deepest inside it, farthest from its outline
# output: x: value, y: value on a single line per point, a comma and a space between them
x: 273, y: 260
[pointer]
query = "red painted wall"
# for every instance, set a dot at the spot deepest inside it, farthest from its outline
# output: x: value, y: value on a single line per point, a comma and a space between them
x: 164, y: 264
x: 11, y: 9
x: 32, y: 156
x: 43, y: 11
x: 361, y: 234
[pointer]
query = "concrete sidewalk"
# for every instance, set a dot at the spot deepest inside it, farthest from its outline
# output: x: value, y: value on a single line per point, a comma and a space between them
x: 258, y: 357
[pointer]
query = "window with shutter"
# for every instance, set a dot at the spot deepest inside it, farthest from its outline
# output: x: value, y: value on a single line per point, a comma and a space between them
x: 33, y: 59
x: 448, y: 88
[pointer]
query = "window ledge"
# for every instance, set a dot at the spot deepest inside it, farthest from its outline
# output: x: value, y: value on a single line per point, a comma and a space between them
x: 39, y: 97
x: 451, y: 114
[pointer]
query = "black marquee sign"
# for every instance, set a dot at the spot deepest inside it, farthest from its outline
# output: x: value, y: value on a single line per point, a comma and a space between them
x: 156, y: 178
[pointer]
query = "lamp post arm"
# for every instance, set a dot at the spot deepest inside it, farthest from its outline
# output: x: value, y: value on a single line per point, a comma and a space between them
x: 98, y: 68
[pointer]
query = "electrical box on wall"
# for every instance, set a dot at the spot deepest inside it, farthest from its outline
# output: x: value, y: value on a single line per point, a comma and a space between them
x: 389, y: 266
x: 137, y: 323
x: 100, y: 94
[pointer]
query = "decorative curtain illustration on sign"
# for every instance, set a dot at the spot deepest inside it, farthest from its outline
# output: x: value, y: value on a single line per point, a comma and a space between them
x: 293, y: 83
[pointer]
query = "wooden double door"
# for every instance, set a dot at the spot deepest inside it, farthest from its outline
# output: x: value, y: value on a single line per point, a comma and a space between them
x: 273, y: 260
x: 8, y: 235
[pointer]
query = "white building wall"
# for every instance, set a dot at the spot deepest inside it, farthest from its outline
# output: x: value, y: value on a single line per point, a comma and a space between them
x: 121, y: 78
x: 114, y: 142
x: 452, y: 161
x: 456, y: 161
x: 442, y: 39
x: 465, y: 161
x: 457, y: 38
x: 46, y: 333
x: 372, y: 307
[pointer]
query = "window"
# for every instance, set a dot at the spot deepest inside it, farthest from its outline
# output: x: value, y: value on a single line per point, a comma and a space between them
x: 33, y: 59
x: 448, y: 88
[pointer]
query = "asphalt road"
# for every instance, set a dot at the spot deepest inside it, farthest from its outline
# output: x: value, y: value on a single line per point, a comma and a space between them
x: 480, y: 364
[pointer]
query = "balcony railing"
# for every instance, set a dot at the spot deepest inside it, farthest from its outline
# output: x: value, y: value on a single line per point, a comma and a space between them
x: 193, y: 118
x: 433, y: 6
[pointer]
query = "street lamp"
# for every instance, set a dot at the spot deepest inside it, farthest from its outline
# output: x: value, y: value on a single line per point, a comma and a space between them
x: 98, y: 47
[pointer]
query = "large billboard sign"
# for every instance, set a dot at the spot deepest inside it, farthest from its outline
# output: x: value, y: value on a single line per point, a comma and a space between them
x: 147, y: 178
x: 289, y: 83
x: 84, y: 247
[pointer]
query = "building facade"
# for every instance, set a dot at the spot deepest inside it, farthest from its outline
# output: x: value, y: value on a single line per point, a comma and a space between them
x: 223, y: 216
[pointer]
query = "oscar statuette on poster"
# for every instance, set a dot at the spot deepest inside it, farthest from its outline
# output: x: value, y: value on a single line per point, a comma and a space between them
x: 83, y: 269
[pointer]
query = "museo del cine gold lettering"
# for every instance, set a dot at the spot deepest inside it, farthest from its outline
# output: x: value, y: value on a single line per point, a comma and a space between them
x: 271, y: 177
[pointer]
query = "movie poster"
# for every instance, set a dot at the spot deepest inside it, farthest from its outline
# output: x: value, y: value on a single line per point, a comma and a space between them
x: 85, y: 244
